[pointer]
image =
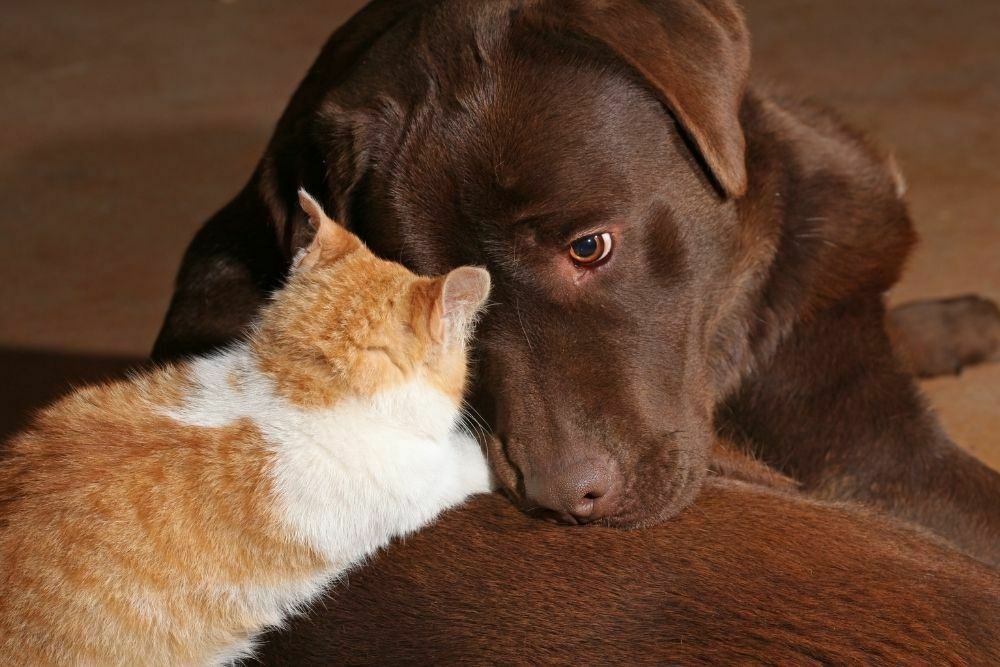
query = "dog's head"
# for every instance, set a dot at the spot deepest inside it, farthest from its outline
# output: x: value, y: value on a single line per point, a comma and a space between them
x: 587, y: 153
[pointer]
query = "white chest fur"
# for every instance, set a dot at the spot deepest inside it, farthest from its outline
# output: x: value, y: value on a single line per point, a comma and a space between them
x: 352, y: 476
x: 348, y: 478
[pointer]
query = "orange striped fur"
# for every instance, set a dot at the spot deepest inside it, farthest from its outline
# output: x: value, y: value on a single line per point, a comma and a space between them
x: 169, y: 518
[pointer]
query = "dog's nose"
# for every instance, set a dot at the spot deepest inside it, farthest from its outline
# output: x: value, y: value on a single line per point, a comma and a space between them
x: 577, y: 492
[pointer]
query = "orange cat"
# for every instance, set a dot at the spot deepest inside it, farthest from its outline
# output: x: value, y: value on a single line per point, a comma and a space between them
x: 170, y: 518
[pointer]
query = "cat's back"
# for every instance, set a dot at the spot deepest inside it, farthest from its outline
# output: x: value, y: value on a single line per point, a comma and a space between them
x: 72, y: 439
x: 92, y: 436
x: 114, y: 513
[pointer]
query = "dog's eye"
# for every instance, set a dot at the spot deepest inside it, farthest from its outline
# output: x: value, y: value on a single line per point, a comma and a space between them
x: 591, y: 250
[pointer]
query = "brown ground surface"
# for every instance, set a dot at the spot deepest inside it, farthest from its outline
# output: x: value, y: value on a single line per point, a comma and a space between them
x: 124, y: 125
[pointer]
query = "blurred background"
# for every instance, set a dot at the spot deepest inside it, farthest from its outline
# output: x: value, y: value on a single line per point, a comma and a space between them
x: 124, y: 125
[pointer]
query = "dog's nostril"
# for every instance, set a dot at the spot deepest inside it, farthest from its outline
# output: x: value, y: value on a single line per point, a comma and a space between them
x: 583, y: 510
x: 579, y: 492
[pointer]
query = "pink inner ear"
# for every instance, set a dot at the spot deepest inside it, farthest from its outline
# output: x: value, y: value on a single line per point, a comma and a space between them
x: 454, y: 300
x: 435, y: 322
x: 465, y: 291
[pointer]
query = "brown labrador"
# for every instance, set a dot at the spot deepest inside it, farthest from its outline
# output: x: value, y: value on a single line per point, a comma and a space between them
x: 675, y: 255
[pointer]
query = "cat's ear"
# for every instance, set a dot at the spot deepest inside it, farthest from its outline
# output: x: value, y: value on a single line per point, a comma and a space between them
x: 458, y: 298
x: 330, y: 242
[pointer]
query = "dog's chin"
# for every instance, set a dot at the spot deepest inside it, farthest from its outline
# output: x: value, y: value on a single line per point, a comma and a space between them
x: 670, y: 481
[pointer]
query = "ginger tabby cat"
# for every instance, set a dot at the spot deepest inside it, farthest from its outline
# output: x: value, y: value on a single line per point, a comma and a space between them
x: 170, y: 518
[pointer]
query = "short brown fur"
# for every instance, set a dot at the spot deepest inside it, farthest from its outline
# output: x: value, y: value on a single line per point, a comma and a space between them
x: 746, y: 576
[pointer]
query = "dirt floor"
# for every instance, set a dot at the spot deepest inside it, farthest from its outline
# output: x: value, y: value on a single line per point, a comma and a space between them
x: 124, y: 125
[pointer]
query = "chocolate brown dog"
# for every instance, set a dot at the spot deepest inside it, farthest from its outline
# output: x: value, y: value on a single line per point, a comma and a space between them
x: 674, y: 255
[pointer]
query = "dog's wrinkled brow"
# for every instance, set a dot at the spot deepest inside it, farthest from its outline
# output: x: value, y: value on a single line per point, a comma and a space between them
x: 564, y: 226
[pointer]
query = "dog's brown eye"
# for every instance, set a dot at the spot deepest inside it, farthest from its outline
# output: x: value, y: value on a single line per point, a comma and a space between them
x: 592, y: 249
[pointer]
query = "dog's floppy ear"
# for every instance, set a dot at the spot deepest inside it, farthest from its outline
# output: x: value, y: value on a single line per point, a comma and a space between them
x: 306, y: 153
x: 696, y: 56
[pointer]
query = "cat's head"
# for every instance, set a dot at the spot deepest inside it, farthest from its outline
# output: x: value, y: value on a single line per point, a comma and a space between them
x: 348, y: 324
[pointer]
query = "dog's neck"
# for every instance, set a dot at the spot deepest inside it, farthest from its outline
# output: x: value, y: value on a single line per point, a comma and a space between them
x: 822, y: 222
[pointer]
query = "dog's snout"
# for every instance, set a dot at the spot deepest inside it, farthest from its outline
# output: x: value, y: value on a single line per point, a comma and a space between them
x: 576, y: 492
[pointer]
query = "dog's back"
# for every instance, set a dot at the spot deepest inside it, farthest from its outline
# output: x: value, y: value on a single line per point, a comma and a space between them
x: 746, y: 574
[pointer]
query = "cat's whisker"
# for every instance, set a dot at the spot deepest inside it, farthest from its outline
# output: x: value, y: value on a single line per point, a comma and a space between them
x: 472, y: 430
x: 474, y: 421
x: 468, y: 409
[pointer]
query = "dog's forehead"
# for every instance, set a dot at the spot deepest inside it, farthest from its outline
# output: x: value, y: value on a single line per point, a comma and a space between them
x: 546, y: 138
x: 469, y: 147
